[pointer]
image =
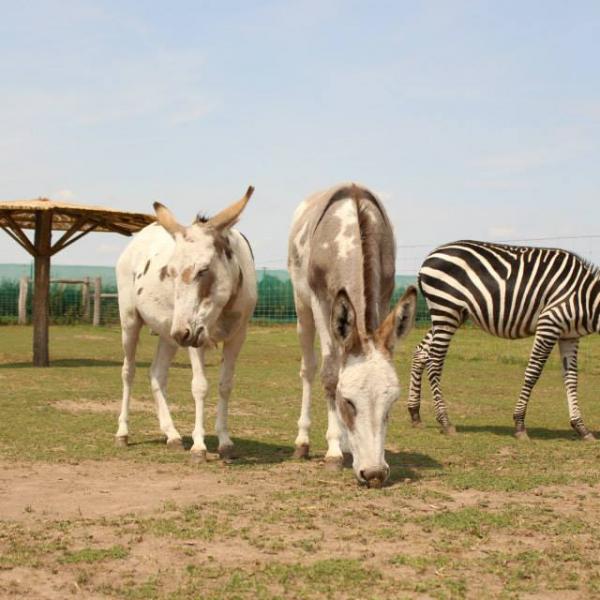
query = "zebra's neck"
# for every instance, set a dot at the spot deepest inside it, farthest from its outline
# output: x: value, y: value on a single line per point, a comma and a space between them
x: 595, y: 301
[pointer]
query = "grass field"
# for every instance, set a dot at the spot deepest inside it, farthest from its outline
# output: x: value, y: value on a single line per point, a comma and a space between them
x: 475, y: 515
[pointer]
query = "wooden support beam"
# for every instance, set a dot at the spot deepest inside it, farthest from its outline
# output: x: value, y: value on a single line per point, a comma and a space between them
x: 75, y: 227
x: 41, y: 293
x: 97, y: 301
x: 13, y: 229
x: 23, y: 289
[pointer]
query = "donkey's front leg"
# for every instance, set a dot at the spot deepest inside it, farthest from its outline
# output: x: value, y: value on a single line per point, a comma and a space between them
x: 329, y: 376
x: 231, y: 350
x: 159, y: 371
x: 199, y: 391
x: 306, y: 334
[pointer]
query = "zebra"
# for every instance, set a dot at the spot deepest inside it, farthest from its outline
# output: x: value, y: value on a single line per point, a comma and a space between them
x: 510, y: 292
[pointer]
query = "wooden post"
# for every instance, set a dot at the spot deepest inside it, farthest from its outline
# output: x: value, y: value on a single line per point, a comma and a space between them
x: 41, y: 293
x: 85, y: 298
x: 23, y: 288
x: 97, y: 300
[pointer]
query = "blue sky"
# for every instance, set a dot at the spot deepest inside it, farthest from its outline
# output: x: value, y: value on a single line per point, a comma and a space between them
x: 470, y: 119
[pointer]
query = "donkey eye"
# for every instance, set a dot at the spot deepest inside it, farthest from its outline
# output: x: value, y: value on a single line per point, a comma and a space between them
x: 200, y: 273
x: 351, y: 405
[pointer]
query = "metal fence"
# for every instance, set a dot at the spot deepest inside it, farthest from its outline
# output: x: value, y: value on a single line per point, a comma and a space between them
x: 94, y: 300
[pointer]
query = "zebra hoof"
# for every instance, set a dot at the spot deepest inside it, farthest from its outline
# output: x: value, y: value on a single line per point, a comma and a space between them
x: 522, y: 435
x: 448, y: 429
x: 415, y: 416
x: 589, y: 437
x: 121, y: 441
x: 301, y: 452
x: 417, y: 424
x: 227, y: 452
x: 197, y: 456
x: 334, y: 463
x: 175, y: 444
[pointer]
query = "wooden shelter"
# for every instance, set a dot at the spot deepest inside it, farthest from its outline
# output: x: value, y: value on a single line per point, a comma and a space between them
x: 75, y: 221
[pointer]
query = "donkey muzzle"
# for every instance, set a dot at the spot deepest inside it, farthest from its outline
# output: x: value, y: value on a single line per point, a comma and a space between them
x: 375, y: 477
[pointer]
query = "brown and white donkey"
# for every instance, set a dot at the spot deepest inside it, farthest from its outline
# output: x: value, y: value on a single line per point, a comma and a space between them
x: 342, y: 264
x: 194, y: 286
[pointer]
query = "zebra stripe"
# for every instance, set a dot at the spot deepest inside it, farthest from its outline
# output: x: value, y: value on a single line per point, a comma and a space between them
x: 510, y: 292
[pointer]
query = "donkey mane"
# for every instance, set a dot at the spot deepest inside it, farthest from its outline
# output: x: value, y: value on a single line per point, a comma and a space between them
x: 370, y: 248
x: 201, y: 218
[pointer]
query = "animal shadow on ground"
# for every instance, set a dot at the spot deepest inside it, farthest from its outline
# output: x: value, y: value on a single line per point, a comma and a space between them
x: 534, y: 432
x: 247, y: 452
x: 408, y: 465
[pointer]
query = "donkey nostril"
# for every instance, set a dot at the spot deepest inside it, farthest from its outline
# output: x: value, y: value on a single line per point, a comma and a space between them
x: 200, y: 330
x: 186, y: 335
x: 362, y: 475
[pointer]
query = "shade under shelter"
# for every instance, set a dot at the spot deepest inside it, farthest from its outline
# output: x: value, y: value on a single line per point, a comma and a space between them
x: 75, y: 221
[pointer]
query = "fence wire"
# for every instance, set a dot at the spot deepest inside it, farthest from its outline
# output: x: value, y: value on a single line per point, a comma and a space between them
x: 68, y: 303
x: 275, y: 292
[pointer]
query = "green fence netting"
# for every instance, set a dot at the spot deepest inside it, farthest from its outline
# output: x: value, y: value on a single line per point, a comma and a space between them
x: 67, y: 302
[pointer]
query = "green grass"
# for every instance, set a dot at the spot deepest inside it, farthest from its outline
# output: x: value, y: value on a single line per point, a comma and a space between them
x: 477, y: 513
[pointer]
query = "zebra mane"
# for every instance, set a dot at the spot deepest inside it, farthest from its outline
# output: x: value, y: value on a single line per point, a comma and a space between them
x: 593, y: 268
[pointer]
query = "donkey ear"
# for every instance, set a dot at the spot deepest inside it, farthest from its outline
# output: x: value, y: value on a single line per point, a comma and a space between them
x: 229, y: 216
x: 343, y: 322
x: 399, y: 322
x: 166, y: 218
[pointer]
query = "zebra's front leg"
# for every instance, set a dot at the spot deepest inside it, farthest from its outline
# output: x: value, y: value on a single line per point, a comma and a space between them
x: 418, y: 365
x: 440, y: 341
x: 199, y: 391
x: 568, y: 355
x: 542, y: 346
x: 231, y: 350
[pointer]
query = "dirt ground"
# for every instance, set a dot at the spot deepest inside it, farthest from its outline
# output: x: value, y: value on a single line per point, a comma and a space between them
x: 116, y: 504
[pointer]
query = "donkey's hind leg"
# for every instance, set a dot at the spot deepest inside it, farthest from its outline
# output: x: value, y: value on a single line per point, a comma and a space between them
x: 130, y: 334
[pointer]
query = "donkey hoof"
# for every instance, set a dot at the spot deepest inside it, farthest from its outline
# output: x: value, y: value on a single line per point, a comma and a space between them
x: 522, y: 435
x: 301, y: 451
x: 121, y: 441
x: 175, y: 444
x: 197, y: 456
x: 347, y: 460
x: 227, y: 452
x: 589, y: 437
x: 448, y: 429
x: 334, y: 463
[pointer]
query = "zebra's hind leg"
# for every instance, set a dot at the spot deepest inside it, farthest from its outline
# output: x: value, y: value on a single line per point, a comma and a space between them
x: 542, y: 346
x: 568, y: 356
x: 419, y: 362
x: 440, y: 341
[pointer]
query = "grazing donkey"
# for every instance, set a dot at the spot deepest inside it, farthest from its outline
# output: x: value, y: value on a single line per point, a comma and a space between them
x: 193, y: 286
x: 511, y: 292
x: 342, y: 262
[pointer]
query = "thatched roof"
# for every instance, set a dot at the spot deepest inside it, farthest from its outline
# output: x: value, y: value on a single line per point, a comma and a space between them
x: 69, y: 216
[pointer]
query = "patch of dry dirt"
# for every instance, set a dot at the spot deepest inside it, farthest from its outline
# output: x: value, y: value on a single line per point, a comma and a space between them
x: 266, y: 515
